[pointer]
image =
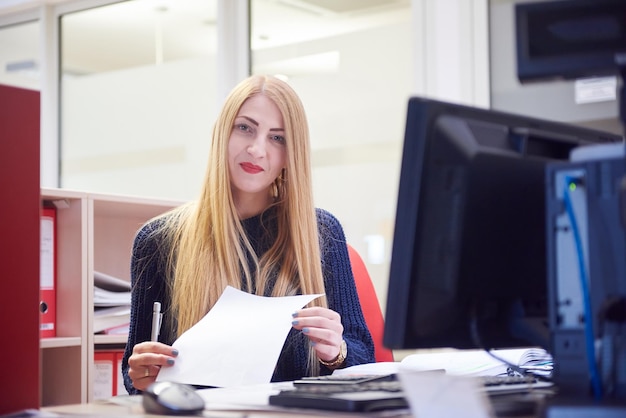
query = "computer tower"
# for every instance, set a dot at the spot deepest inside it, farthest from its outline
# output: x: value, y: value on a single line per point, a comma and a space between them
x: 586, y: 244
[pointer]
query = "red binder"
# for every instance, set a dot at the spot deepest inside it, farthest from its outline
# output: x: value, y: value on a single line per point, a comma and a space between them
x: 104, y: 381
x: 47, y: 276
x: 120, y: 388
x: 108, y: 380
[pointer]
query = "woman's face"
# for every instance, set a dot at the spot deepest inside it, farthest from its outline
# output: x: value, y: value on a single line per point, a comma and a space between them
x: 256, y: 153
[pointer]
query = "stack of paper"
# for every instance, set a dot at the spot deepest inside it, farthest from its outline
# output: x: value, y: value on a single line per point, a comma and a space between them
x: 111, y: 301
x: 480, y: 362
x: 537, y: 361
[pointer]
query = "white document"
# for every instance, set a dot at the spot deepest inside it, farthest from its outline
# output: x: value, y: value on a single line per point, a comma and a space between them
x: 438, y: 395
x: 237, y: 343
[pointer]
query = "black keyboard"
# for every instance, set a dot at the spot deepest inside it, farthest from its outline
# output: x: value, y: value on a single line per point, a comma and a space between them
x: 344, y: 379
x: 501, y: 385
x: 375, y: 393
x: 365, y: 396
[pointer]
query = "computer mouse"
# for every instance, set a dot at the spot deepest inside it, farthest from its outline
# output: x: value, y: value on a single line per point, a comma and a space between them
x: 169, y: 398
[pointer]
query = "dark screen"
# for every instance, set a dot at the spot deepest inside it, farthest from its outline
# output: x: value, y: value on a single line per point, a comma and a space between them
x: 569, y: 39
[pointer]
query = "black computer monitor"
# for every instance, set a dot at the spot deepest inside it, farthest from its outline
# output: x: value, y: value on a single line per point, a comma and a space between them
x: 468, y: 263
x: 570, y: 39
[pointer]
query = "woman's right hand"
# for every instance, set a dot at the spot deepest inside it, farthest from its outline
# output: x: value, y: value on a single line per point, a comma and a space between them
x: 146, y: 362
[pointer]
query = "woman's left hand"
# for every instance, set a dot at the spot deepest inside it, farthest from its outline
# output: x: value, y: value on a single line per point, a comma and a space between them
x: 323, y: 328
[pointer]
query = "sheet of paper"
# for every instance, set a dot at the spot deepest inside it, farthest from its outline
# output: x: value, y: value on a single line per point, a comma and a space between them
x: 237, y: 343
x: 438, y: 395
x: 243, y: 398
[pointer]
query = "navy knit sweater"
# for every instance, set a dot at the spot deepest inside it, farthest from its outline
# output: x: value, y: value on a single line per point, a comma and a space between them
x: 149, y: 284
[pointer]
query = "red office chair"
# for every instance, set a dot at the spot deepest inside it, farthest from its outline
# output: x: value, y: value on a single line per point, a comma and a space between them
x: 369, y: 304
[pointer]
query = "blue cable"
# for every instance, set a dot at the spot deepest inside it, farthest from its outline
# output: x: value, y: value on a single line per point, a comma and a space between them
x: 596, y: 383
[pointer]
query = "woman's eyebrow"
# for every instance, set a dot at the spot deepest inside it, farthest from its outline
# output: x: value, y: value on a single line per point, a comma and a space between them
x: 255, y: 123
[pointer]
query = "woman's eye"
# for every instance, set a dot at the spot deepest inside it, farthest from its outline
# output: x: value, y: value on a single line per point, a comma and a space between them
x: 242, y: 127
x: 278, y: 138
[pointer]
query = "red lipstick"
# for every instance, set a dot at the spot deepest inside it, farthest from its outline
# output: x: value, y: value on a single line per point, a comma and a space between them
x: 251, y: 168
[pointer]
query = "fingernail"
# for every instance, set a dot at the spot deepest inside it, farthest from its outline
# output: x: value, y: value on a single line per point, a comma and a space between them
x: 294, y: 322
x: 313, y: 343
x: 170, y: 361
x: 305, y: 330
x: 295, y: 314
x: 174, y: 352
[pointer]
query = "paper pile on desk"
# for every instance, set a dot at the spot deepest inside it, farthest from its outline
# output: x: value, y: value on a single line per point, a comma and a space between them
x: 238, y: 342
x: 480, y: 362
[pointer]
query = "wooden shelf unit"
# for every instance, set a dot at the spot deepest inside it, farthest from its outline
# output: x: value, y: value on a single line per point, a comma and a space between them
x: 95, y: 232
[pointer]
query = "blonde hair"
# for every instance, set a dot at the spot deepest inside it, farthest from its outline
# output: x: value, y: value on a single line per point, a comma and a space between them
x: 208, y: 242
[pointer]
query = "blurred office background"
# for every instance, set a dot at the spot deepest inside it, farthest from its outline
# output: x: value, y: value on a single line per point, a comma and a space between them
x: 130, y: 89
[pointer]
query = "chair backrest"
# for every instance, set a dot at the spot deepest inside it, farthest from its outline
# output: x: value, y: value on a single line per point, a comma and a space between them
x: 370, y: 305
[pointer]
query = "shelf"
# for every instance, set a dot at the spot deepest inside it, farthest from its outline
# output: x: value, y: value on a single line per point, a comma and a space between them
x: 60, y: 342
x: 95, y: 232
x: 110, y: 339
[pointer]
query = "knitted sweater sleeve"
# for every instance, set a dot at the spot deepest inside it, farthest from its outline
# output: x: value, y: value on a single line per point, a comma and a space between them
x: 341, y: 290
x: 342, y: 297
x: 148, y: 285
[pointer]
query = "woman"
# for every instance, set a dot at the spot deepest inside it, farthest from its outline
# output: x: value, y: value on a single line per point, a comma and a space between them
x: 255, y: 228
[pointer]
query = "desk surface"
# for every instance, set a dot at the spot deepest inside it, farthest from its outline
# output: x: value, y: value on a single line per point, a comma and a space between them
x: 103, y: 409
x: 219, y: 404
x: 253, y: 400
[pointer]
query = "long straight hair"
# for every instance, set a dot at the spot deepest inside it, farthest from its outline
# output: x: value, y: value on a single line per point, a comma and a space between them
x: 208, y: 242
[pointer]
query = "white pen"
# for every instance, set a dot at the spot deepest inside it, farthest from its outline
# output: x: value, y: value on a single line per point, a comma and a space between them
x: 156, y: 321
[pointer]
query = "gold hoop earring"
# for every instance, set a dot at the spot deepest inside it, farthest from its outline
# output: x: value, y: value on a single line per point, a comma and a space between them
x: 278, y: 185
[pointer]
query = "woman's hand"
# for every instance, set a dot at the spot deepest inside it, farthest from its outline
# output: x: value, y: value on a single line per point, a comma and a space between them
x: 323, y: 328
x: 146, y: 362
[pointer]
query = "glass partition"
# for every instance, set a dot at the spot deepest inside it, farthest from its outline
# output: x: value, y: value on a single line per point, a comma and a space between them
x: 19, y: 55
x: 138, y: 97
